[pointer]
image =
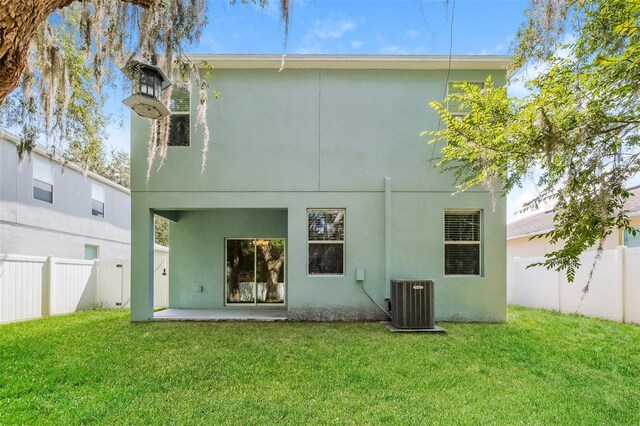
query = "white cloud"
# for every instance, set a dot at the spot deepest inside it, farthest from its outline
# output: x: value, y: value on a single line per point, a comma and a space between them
x: 412, y: 34
x: 332, y: 28
x: 357, y: 44
x: 498, y: 49
x: 326, y: 31
x: 401, y: 50
x: 209, y: 44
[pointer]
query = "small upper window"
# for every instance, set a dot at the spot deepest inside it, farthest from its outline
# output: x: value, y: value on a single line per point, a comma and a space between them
x: 90, y: 252
x: 462, y: 242
x: 179, y: 127
x: 326, y: 241
x: 42, y: 180
x: 97, y: 200
x: 454, y: 107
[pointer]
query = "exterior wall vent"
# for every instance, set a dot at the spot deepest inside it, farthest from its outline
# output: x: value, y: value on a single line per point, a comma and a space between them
x: 412, y: 304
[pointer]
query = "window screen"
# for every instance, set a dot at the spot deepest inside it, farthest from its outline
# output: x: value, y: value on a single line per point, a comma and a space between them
x: 462, y: 243
x: 325, y: 241
x: 179, y: 127
x: 42, y: 191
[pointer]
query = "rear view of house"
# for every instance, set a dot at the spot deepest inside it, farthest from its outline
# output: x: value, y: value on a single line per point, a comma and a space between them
x: 318, y: 190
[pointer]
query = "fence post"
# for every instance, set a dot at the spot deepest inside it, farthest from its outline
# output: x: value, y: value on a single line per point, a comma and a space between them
x: 96, y: 283
x: 47, y: 282
x: 559, y: 283
x: 622, y: 281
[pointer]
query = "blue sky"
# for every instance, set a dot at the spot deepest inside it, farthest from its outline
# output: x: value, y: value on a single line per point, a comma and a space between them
x: 389, y: 27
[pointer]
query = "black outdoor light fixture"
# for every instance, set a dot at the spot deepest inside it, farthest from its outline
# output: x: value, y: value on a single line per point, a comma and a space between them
x: 148, y: 83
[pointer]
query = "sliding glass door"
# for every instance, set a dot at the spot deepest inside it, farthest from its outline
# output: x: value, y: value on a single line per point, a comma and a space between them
x: 255, y: 271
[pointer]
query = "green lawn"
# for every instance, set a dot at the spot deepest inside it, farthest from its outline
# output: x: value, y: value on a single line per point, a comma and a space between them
x: 539, y: 368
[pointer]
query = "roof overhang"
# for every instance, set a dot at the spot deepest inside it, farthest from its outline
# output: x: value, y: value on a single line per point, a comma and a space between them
x: 368, y: 62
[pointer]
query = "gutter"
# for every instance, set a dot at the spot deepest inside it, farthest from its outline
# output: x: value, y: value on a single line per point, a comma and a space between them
x: 369, y: 62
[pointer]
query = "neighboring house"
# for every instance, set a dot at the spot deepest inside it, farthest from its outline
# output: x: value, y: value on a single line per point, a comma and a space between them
x: 50, y: 209
x: 317, y: 186
x: 520, y: 232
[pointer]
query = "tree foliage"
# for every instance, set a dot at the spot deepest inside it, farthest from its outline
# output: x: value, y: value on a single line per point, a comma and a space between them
x: 577, y: 130
x: 161, y: 231
x: 116, y: 166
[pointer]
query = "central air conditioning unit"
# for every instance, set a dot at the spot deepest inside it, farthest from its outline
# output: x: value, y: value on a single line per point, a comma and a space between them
x: 412, y: 304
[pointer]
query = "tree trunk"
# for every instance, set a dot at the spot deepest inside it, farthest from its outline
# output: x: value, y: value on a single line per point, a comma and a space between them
x: 274, y: 266
x: 18, y: 21
x: 233, y: 291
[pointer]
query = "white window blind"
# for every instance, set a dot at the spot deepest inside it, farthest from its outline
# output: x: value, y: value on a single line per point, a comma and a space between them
x: 462, y: 242
x: 97, y: 200
x: 326, y: 241
x: 42, y: 170
x: 42, y: 180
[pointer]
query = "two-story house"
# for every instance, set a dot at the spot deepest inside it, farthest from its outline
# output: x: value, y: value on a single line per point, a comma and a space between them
x: 47, y: 208
x: 318, y: 190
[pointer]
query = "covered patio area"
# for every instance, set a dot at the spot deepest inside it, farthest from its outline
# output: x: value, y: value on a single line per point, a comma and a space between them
x: 265, y: 314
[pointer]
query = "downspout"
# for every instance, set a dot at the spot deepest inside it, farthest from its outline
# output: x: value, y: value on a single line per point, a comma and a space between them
x: 387, y: 237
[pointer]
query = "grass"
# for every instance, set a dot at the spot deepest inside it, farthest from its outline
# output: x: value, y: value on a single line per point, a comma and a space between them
x: 539, y: 368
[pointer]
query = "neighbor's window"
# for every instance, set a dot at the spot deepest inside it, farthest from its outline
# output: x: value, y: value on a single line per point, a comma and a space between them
x: 90, y: 252
x: 180, y: 117
x: 42, y: 180
x: 462, y: 242
x: 454, y: 107
x: 326, y: 241
x: 97, y: 200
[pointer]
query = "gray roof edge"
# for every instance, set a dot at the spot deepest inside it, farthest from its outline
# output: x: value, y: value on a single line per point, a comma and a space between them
x: 95, y: 176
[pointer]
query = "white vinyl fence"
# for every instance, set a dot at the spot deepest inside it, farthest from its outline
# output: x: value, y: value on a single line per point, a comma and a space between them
x: 33, y: 287
x: 614, y: 290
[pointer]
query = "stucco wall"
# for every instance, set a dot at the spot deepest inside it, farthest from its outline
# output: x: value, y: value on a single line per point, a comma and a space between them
x: 318, y: 139
x: 34, y: 227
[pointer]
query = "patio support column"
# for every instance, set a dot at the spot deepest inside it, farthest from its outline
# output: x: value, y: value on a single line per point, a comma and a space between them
x: 141, y: 260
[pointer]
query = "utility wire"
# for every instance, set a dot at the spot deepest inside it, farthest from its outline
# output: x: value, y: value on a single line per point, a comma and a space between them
x: 446, y: 86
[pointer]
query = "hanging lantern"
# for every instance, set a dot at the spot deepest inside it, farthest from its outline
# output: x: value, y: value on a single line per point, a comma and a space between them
x: 148, y: 82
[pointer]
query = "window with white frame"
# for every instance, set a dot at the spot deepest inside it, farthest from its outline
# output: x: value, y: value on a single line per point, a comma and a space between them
x: 462, y: 242
x: 179, y: 127
x: 97, y: 200
x: 454, y: 107
x: 325, y: 241
x: 42, y: 180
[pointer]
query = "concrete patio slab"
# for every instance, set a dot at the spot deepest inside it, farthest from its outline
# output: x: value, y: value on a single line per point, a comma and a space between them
x: 222, y: 314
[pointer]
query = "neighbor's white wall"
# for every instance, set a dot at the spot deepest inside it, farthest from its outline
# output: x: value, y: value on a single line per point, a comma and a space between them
x: 33, y: 227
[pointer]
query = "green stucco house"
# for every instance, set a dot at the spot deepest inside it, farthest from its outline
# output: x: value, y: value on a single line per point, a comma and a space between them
x: 317, y: 192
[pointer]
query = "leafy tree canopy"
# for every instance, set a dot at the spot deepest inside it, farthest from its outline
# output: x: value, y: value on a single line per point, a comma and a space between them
x: 577, y: 130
